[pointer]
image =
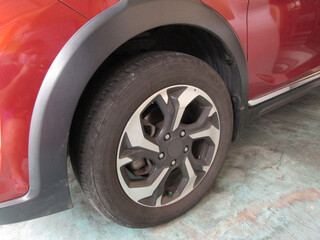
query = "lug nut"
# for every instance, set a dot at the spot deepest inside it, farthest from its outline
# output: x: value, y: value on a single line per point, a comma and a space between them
x: 167, y: 136
x: 173, y: 162
x: 183, y: 133
x: 186, y: 149
x: 161, y: 155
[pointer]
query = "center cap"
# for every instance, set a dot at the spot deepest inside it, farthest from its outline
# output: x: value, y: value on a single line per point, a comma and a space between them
x: 175, y: 148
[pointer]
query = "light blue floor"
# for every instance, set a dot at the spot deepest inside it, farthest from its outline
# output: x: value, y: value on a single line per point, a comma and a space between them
x: 269, y: 188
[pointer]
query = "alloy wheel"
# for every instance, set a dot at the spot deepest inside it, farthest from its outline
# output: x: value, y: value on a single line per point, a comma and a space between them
x: 168, y: 146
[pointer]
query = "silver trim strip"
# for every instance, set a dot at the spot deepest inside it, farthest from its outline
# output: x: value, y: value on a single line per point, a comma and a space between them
x: 285, y: 89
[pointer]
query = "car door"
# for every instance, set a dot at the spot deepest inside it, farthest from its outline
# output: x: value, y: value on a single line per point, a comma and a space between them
x: 283, y: 44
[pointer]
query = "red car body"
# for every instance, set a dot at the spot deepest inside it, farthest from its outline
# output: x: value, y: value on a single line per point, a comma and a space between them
x: 280, y: 43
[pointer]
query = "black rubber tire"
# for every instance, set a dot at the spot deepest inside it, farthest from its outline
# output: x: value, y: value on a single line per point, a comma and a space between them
x: 104, y: 113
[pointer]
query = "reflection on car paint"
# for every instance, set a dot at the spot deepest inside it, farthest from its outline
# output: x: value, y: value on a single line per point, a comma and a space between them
x: 28, y: 44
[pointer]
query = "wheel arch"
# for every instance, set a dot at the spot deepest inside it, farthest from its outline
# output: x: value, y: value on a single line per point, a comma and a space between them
x: 75, y: 65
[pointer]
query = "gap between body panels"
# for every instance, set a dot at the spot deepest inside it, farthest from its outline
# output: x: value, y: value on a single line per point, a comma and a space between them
x: 73, y: 9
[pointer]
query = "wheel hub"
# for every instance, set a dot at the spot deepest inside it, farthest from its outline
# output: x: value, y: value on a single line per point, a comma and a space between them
x: 175, y: 148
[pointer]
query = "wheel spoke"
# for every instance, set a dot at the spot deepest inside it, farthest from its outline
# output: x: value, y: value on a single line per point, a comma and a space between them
x: 200, y: 167
x: 138, y: 153
x: 188, y: 173
x: 211, y: 132
x: 196, y: 164
x: 164, y: 96
x: 158, y: 194
x: 124, y: 161
x: 186, y: 97
x: 135, y: 134
x: 139, y: 193
x: 184, y: 186
x: 162, y: 101
x: 203, y: 122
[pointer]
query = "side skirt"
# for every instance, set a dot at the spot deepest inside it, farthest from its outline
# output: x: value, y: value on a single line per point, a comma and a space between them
x: 278, y: 101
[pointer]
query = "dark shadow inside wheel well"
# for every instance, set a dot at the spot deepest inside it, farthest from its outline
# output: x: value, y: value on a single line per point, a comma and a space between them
x: 179, y: 38
x: 186, y: 39
x: 191, y: 40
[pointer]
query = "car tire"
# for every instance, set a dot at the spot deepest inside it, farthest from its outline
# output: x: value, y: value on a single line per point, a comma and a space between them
x: 151, y: 138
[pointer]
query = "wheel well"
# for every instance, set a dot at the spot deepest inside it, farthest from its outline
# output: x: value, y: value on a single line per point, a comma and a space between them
x: 179, y: 38
x: 190, y: 40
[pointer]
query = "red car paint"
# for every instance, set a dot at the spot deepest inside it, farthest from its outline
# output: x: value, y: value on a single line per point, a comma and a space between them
x: 31, y: 35
x: 90, y: 8
x: 283, y: 39
x: 280, y: 39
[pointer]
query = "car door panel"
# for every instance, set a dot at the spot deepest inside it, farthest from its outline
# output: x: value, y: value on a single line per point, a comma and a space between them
x: 284, y: 43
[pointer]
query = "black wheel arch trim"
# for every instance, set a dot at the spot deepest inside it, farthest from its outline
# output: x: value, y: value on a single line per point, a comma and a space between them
x: 70, y: 73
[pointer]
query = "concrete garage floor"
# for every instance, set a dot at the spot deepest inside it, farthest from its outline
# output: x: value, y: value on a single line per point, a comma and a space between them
x: 269, y: 188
